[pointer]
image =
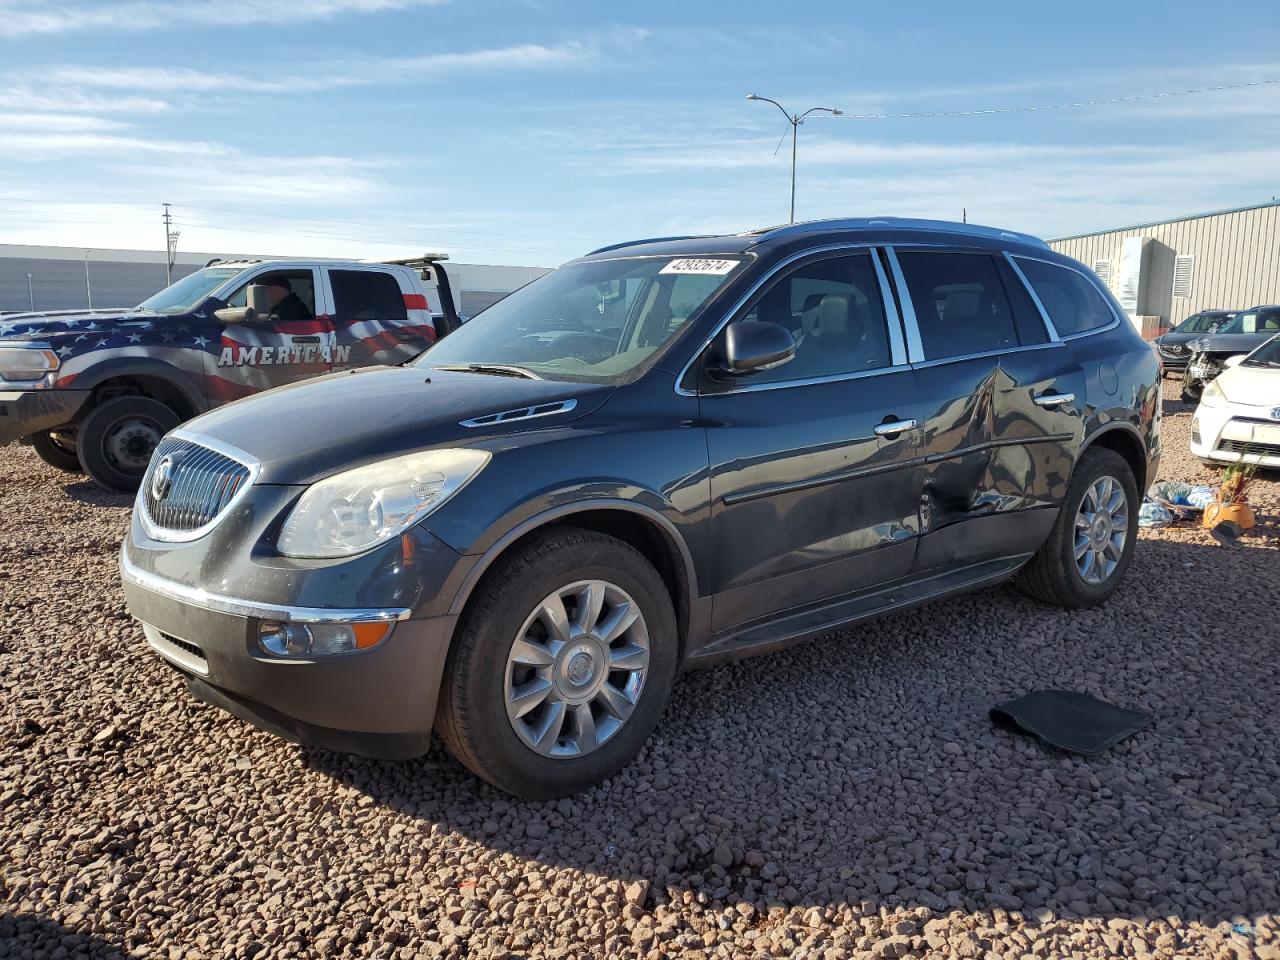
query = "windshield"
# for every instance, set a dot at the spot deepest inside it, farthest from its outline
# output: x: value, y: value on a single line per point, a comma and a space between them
x: 596, y: 321
x: 1267, y: 355
x: 1200, y: 322
x: 189, y: 292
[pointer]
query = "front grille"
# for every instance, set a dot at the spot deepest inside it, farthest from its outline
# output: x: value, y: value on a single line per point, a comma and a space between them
x: 201, y: 482
x: 1251, y: 447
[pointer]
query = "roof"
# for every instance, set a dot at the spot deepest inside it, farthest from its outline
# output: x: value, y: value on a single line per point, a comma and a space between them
x: 878, y: 226
x: 1159, y: 223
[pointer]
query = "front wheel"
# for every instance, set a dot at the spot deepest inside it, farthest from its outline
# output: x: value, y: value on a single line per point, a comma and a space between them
x: 117, y: 438
x: 57, y: 448
x: 1091, y: 543
x: 562, y: 665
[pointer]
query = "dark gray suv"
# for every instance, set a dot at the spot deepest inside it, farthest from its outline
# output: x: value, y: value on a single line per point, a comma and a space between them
x: 665, y: 454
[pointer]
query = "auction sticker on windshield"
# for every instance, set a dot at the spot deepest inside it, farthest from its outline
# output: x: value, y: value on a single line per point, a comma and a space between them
x: 717, y: 268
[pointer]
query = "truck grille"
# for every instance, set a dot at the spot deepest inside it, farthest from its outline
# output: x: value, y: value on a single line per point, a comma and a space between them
x: 188, y: 486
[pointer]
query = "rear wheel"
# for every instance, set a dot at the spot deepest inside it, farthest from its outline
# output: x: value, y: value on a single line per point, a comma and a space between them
x: 562, y: 666
x: 57, y: 448
x: 117, y: 438
x: 1091, y: 543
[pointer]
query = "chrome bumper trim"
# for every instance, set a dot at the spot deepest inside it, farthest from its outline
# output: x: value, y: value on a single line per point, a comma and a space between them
x: 251, y: 608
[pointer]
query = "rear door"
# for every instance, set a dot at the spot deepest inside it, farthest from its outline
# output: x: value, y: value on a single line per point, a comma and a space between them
x: 380, y: 316
x: 811, y: 498
x: 270, y: 351
x: 973, y: 357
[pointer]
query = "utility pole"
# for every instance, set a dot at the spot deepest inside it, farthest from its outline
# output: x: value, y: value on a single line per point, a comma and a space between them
x: 88, y: 291
x: 31, y: 294
x: 170, y: 246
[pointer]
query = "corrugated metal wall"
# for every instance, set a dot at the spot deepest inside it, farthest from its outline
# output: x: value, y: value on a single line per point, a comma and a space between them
x: 1237, y: 260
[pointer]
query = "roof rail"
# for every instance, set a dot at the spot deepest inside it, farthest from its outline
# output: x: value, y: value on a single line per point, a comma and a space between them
x: 420, y: 260
x: 632, y: 243
x: 895, y: 223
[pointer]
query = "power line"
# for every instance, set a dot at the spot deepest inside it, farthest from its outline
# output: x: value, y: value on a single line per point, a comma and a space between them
x: 988, y: 111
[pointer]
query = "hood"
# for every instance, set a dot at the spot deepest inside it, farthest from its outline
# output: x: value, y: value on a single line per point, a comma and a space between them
x: 313, y: 429
x: 41, y: 326
x: 1173, y: 337
x: 1229, y: 344
x: 1252, y: 386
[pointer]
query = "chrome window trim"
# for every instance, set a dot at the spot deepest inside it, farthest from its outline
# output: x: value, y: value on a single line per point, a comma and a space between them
x: 987, y: 353
x: 897, y: 346
x: 218, y: 603
x: 915, y: 349
x: 864, y: 245
x: 165, y: 535
x: 1092, y: 281
x: 806, y: 381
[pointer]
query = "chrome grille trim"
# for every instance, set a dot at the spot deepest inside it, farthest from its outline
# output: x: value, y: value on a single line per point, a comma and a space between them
x: 212, y: 478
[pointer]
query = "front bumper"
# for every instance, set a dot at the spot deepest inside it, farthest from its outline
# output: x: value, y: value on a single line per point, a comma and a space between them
x: 1232, y: 434
x: 24, y: 412
x: 379, y: 702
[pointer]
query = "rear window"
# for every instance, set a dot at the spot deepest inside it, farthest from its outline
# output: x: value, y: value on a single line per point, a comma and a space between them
x: 959, y: 302
x: 366, y: 295
x: 1068, y: 296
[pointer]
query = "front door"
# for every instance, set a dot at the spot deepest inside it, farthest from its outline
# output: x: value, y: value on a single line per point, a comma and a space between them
x: 811, y: 498
x: 292, y: 343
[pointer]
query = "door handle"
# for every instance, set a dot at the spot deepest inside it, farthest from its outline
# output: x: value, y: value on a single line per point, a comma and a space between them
x: 1053, y: 399
x: 306, y: 339
x: 893, y: 427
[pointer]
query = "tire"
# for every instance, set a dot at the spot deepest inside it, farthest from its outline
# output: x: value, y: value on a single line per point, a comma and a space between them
x: 474, y: 717
x: 1053, y: 575
x: 58, y: 448
x: 117, y: 438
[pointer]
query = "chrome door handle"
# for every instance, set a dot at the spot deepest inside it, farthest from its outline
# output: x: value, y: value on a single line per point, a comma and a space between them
x: 1053, y: 399
x: 313, y: 339
x: 893, y: 426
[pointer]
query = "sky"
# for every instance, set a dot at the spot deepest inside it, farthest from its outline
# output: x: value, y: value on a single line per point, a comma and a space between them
x: 531, y: 132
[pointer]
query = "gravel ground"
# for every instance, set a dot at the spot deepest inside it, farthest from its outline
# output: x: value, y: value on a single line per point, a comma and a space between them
x: 846, y: 798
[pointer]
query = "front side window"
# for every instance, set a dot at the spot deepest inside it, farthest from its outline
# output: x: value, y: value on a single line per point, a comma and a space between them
x: 959, y: 302
x: 292, y: 293
x: 833, y: 309
x: 597, y: 321
x: 1071, y: 300
x: 186, y: 294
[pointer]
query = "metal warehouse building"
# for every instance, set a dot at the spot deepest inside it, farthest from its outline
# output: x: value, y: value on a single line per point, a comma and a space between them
x: 67, y: 278
x: 1170, y: 269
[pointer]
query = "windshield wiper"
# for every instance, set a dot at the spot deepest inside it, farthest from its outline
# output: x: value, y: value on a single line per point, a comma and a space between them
x: 492, y: 369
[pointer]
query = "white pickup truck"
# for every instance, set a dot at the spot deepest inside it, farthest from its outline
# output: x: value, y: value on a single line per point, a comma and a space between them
x: 97, y: 391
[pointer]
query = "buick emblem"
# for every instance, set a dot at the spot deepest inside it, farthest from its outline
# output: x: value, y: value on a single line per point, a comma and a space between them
x: 162, y: 478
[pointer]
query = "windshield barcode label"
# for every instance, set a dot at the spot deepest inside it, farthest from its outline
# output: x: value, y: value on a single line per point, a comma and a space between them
x: 717, y: 268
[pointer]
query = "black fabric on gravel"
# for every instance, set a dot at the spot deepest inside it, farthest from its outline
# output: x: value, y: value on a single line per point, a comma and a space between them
x: 1075, y: 722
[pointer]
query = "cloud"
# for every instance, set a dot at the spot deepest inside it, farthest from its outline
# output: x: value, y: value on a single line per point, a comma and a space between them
x: 23, y: 17
x: 57, y: 122
x: 27, y: 98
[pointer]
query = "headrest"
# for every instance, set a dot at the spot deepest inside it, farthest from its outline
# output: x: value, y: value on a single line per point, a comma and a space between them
x: 834, y: 318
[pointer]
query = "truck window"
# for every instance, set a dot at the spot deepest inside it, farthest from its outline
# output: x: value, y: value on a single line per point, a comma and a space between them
x: 366, y: 295
x: 301, y: 282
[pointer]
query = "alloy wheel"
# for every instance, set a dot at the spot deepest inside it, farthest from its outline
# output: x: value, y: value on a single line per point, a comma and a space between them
x: 576, y: 669
x: 1102, y: 527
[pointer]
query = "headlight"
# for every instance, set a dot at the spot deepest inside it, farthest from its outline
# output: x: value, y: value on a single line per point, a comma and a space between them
x: 1213, y: 395
x: 353, y: 511
x: 26, y: 363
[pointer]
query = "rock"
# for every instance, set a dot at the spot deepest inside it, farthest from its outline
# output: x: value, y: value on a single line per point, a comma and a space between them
x: 636, y: 893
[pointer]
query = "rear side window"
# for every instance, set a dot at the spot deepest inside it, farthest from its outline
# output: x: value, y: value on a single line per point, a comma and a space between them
x: 1071, y: 300
x: 833, y: 309
x: 959, y: 302
x: 366, y: 295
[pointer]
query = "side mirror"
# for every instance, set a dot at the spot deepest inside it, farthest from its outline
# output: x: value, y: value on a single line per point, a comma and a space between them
x: 1234, y: 361
x: 259, y: 305
x: 751, y: 346
x: 234, y: 314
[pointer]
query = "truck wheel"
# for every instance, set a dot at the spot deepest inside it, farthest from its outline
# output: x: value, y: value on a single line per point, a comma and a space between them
x: 1091, y: 543
x: 561, y: 667
x: 117, y: 438
x: 57, y: 448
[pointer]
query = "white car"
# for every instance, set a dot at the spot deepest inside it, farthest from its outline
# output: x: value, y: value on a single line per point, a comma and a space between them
x: 1239, y: 413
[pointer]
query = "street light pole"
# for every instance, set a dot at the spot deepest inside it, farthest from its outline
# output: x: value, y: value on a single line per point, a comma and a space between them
x: 88, y: 290
x: 31, y: 296
x: 795, y: 119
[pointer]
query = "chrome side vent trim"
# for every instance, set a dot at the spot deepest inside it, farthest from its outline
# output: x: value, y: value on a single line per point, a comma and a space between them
x: 521, y: 413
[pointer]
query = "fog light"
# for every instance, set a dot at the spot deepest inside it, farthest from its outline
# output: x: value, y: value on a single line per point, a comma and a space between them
x: 1195, y: 432
x: 306, y: 640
